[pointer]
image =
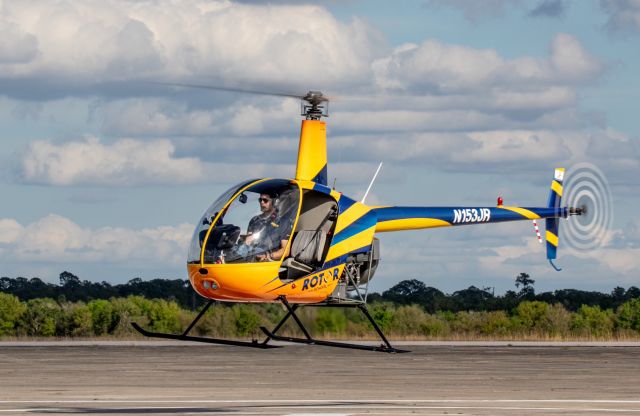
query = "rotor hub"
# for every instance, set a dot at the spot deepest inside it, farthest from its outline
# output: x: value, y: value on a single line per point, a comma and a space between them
x: 581, y: 210
x: 316, y: 106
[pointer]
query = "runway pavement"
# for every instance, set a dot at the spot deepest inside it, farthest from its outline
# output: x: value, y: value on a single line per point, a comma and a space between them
x: 434, y: 379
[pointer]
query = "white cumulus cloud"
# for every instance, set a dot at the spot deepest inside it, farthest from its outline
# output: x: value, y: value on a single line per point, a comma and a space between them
x: 125, y: 162
x: 86, y: 42
x: 57, y: 239
x: 437, y: 67
x: 624, y: 15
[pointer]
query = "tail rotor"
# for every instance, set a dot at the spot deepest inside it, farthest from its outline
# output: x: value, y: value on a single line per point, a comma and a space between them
x: 588, y: 196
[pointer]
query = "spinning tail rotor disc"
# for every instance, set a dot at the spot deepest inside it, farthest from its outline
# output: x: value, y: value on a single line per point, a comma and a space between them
x: 587, y: 190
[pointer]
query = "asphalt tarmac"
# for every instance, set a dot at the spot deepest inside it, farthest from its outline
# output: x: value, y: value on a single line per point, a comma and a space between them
x: 434, y: 379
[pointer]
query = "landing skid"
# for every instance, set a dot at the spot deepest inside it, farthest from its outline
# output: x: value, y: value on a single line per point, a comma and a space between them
x: 291, y: 312
x: 186, y: 337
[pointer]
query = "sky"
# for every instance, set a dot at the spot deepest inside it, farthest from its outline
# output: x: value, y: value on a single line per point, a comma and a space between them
x: 104, y: 171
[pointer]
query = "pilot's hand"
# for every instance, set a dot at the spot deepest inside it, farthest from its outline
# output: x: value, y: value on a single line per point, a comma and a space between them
x: 264, y: 257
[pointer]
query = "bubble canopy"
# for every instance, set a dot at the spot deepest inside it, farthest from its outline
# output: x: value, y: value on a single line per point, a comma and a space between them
x: 247, y: 223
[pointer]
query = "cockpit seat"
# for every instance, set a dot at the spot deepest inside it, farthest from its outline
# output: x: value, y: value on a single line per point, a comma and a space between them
x: 306, y: 250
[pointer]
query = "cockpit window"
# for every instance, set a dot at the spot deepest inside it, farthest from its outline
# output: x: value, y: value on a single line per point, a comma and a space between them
x: 195, y: 248
x: 256, y: 226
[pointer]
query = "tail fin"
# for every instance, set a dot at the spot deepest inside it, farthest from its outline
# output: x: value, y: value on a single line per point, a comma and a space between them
x: 553, y: 224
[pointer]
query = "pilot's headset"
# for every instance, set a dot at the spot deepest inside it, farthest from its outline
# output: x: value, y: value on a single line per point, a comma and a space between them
x: 275, y: 201
x: 285, y: 205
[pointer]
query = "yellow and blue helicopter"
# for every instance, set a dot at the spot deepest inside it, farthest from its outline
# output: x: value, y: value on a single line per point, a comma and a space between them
x: 310, y: 245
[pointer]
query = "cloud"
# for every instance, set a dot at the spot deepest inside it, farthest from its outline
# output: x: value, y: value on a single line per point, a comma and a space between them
x: 16, y: 46
x: 433, y: 87
x: 549, y: 8
x: 57, y: 239
x: 129, y: 162
x: 476, y: 151
x: 474, y: 10
x: 85, y: 47
x: 163, y: 117
x: 10, y: 230
x: 624, y: 15
x: 126, y: 162
x: 228, y: 159
x: 439, y: 68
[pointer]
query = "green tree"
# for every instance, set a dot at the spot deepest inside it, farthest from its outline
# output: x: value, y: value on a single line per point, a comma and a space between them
x: 330, y: 320
x: 527, y: 291
x: 557, y: 320
x: 219, y: 321
x: 530, y: 315
x: 409, y: 292
x: 76, y: 320
x: 593, y: 321
x: 41, y: 317
x: 408, y: 320
x: 126, y: 311
x: 247, y: 319
x: 11, y: 309
x: 472, y: 299
x: 628, y: 315
x: 382, y: 313
x: 101, y: 316
x: 164, y: 316
x: 435, y: 325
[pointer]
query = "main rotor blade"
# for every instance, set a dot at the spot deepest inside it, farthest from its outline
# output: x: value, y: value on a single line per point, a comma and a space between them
x: 230, y: 89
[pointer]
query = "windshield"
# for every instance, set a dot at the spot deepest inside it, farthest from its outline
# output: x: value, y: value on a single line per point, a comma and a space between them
x: 195, y: 248
x: 256, y: 226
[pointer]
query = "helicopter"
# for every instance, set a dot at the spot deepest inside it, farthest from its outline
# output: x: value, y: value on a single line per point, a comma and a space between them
x: 311, y: 245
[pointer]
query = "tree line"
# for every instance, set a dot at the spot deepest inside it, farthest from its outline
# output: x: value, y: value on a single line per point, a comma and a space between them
x: 414, y: 291
x: 408, y: 292
x: 410, y: 309
x: 536, y: 320
x: 72, y: 288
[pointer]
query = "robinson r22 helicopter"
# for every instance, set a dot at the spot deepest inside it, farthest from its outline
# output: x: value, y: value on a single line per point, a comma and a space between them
x: 324, y: 252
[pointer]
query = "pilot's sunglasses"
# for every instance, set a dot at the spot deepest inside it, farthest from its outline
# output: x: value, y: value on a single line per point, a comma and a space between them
x: 264, y: 199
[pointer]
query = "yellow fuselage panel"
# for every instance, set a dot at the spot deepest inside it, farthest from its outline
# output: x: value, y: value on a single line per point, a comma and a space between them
x: 259, y: 282
x: 410, y: 224
x: 312, y: 152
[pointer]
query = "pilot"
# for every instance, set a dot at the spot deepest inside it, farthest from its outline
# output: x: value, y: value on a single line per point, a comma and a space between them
x: 266, y: 230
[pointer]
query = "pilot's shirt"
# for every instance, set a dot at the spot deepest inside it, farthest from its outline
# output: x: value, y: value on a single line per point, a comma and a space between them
x: 271, y: 230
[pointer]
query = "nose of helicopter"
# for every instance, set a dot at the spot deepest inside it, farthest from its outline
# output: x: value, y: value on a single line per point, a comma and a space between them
x: 239, y: 282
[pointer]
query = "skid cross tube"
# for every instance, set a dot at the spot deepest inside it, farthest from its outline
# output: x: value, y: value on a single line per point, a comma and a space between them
x: 185, y: 337
x: 386, y: 347
x: 277, y: 327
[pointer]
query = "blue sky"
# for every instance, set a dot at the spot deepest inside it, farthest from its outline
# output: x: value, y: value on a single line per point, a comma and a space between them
x: 104, y: 174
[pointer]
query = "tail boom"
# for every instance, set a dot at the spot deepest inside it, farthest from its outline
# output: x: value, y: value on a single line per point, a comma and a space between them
x: 414, y: 218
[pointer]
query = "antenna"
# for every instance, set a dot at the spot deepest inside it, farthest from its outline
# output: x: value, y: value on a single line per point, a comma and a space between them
x: 371, y: 184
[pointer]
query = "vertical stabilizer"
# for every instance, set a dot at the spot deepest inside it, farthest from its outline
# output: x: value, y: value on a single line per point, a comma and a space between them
x: 312, y: 152
x: 553, y: 224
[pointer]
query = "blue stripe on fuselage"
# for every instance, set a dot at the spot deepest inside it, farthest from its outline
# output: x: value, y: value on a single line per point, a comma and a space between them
x: 322, y: 188
x: 365, y: 222
x: 344, y: 203
x: 321, y: 177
